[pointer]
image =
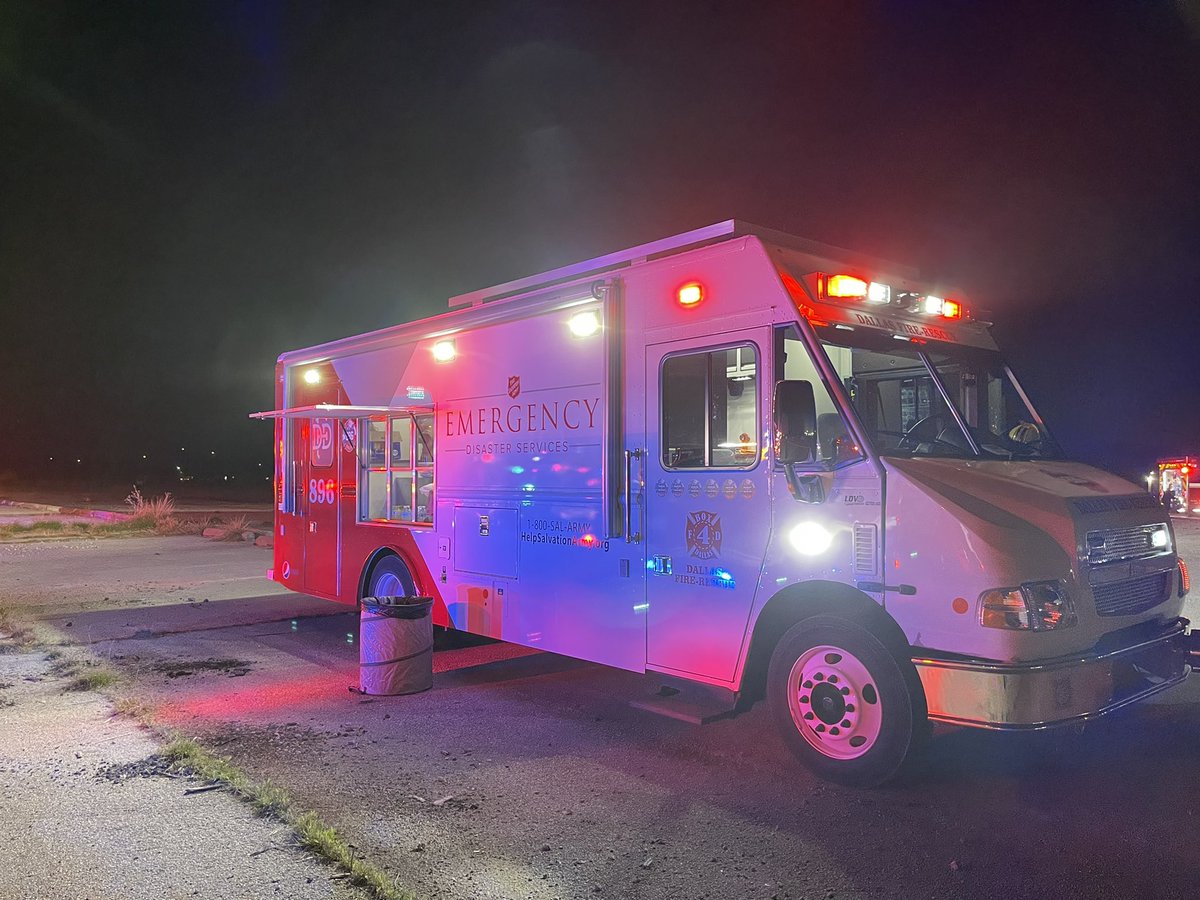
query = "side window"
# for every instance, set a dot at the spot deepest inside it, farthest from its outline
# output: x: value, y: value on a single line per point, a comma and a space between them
x: 794, y: 363
x: 396, y: 469
x: 709, y: 403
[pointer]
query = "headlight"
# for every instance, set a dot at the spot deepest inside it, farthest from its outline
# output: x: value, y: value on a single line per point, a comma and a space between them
x: 1034, y: 606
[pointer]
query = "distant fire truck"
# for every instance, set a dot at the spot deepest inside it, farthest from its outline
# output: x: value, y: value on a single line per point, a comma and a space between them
x: 747, y: 462
x: 1179, y: 484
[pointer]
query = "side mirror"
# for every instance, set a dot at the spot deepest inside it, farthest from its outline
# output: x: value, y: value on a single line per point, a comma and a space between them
x: 795, y: 422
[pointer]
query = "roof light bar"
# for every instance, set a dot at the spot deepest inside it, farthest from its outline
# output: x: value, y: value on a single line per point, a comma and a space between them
x: 879, y: 293
x: 845, y: 286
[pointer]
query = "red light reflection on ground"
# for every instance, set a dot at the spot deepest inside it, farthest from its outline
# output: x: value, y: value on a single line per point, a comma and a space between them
x: 252, y: 699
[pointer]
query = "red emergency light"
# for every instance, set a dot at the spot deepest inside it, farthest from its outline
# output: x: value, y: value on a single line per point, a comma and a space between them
x: 690, y: 294
x: 845, y: 286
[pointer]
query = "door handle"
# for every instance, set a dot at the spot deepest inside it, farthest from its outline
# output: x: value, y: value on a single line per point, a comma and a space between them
x: 631, y: 537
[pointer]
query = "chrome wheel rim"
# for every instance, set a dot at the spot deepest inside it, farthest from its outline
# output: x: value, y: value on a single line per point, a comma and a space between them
x: 389, y: 585
x: 834, y: 702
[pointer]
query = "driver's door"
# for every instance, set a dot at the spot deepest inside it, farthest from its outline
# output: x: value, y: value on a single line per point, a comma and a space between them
x: 707, y: 505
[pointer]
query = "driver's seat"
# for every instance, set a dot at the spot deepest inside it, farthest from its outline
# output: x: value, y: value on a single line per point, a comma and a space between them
x: 831, y: 430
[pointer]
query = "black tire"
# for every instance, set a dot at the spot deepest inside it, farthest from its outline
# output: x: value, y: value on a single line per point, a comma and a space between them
x: 390, y: 577
x: 847, y: 706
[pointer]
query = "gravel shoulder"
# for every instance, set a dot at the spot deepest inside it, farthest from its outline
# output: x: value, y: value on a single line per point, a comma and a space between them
x: 89, y: 814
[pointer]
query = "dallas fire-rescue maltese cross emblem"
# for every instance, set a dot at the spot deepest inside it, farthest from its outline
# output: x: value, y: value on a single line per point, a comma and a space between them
x: 514, y: 386
x: 703, y: 534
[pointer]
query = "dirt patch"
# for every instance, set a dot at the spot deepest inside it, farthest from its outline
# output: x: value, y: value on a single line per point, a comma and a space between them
x: 181, y: 668
x: 153, y: 766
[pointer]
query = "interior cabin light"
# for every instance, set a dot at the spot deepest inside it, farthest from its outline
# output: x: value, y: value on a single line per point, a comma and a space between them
x: 444, y: 351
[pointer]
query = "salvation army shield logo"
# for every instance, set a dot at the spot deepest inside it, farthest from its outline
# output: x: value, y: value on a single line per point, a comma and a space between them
x: 514, y: 386
x: 703, y: 534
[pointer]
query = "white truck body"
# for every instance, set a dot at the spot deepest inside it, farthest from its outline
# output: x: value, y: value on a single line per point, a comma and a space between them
x: 625, y: 495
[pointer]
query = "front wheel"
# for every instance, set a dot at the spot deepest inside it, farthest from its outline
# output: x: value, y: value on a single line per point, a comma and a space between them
x: 843, y: 703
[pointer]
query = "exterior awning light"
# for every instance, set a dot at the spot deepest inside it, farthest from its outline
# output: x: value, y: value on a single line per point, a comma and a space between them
x: 690, y: 294
x: 584, y: 324
x: 312, y: 376
x: 444, y: 351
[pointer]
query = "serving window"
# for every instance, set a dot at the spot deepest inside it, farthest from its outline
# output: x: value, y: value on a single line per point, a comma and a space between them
x: 396, y: 469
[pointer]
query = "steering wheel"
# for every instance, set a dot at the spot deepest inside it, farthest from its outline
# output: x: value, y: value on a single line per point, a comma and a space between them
x: 924, y: 431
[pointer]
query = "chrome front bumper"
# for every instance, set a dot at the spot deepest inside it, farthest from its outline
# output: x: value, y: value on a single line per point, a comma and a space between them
x: 1031, y: 696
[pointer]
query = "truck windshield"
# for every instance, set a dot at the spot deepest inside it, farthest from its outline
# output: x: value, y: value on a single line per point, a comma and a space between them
x: 903, y: 393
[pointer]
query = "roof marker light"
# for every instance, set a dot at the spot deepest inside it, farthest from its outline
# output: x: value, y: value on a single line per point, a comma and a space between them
x: 444, y: 351
x: 845, y: 286
x: 690, y: 294
x: 878, y: 292
x: 936, y: 306
x: 584, y: 324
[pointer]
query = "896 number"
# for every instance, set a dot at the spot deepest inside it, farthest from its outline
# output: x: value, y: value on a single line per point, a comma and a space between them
x: 321, y: 490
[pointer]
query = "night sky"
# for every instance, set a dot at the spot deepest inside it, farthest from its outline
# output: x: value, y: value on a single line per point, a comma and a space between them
x: 188, y: 189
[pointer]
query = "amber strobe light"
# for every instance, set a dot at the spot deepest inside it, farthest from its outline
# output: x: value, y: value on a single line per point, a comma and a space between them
x: 845, y: 286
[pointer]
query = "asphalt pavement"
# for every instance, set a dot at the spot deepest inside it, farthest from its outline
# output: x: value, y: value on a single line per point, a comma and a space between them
x: 525, y: 774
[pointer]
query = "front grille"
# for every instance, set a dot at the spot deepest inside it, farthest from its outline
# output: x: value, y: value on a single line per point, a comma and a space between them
x: 1112, y: 544
x: 1128, y: 598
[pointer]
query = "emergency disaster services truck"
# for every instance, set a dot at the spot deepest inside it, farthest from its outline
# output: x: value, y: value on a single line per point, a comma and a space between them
x: 748, y: 461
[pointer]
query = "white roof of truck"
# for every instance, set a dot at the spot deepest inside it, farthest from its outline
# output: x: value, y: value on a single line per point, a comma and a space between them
x: 810, y: 253
x: 668, y: 246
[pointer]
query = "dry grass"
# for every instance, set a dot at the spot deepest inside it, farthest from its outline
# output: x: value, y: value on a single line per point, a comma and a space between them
x: 234, y: 527
x: 157, y: 513
x: 15, y: 635
x: 319, y: 838
x: 134, y: 708
x: 85, y: 675
x: 94, y: 680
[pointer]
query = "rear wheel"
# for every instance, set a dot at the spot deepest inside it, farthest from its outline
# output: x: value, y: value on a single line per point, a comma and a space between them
x: 390, y: 578
x: 843, y: 703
